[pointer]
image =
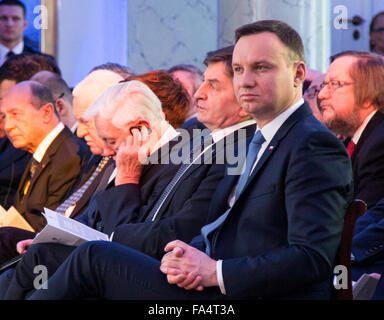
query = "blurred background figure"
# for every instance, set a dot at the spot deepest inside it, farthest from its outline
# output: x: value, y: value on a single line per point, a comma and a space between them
x: 310, y: 95
x: 12, y: 26
x: 376, y: 33
x: 191, y: 78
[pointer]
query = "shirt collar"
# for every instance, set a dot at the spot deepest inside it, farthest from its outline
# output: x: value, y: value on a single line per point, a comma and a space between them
x: 270, y: 129
x: 16, y: 50
x: 74, y: 127
x: 221, y: 133
x: 44, y: 145
x: 359, y: 131
x: 169, y: 134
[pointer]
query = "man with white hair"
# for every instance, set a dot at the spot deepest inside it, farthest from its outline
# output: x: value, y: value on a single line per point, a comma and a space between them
x: 147, y: 214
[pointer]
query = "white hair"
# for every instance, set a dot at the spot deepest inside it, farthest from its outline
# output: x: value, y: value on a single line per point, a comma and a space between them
x: 129, y: 101
x: 93, y: 85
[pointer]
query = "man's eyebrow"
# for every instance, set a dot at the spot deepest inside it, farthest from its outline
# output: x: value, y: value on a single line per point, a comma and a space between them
x: 213, y: 81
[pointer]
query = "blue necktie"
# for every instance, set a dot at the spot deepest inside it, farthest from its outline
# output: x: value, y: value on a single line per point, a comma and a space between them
x: 253, y: 150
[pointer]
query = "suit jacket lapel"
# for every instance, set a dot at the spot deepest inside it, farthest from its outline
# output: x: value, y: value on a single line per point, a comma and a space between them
x: 376, y: 120
x: 299, y: 114
x: 52, y: 149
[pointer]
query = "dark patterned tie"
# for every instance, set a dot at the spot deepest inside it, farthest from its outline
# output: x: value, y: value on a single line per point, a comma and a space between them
x: 32, y: 171
x: 193, y: 155
x: 253, y: 150
x: 10, y: 54
x: 75, y: 197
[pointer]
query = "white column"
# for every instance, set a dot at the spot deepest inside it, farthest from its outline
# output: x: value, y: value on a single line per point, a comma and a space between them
x: 310, y: 18
x: 91, y: 32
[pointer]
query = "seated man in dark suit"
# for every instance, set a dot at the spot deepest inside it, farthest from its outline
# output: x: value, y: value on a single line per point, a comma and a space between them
x: 12, y: 166
x: 13, y: 162
x: 85, y: 93
x: 148, y: 217
x: 276, y: 228
x: 367, y: 246
x: 352, y: 104
x: 32, y: 125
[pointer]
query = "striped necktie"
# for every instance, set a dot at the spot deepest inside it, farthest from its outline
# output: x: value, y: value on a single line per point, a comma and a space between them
x: 253, y: 150
x: 193, y: 155
x: 75, y: 197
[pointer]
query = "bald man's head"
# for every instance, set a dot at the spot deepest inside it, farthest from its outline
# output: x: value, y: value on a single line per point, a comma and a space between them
x: 29, y: 113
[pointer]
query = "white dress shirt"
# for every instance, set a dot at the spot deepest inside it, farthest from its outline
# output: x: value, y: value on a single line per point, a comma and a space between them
x: 44, y: 145
x: 4, y: 51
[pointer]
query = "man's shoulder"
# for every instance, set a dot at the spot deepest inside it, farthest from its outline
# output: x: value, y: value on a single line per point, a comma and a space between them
x: 65, y: 144
x: 29, y: 49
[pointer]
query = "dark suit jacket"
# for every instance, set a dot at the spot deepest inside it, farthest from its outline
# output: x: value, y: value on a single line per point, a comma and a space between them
x: 281, y: 236
x: 368, y: 238
x: 182, y: 214
x: 12, y: 166
x: 119, y: 204
x: 193, y: 123
x: 56, y: 173
x: 97, y: 184
x: 368, y: 162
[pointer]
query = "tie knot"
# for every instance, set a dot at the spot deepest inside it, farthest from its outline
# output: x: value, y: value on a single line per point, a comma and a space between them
x: 258, y: 138
x: 10, y: 54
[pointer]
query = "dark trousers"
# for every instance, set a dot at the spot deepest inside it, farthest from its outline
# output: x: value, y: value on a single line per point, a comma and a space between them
x: 100, y: 269
x: 9, y: 237
x: 49, y: 255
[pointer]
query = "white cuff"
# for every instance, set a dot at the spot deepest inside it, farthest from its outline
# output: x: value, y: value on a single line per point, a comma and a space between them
x: 219, y: 273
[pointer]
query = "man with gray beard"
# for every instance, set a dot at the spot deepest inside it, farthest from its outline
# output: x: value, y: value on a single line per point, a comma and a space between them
x: 352, y: 101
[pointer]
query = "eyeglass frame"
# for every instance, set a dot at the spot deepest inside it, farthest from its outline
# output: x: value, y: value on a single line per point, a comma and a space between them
x: 313, y: 92
x: 334, y: 84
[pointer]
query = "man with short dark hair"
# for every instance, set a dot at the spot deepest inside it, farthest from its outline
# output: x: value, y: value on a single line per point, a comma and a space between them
x: 32, y: 125
x: 62, y: 95
x: 352, y: 104
x: 12, y: 26
x: 276, y: 228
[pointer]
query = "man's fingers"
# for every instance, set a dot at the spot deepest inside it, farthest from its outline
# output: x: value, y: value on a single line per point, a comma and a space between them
x: 191, y: 281
x: 175, y: 243
x: 176, y: 279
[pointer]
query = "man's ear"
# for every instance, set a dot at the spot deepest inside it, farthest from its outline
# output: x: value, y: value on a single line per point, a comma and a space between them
x: 47, y: 112
x: 61, y: 107
x: 300, y: 71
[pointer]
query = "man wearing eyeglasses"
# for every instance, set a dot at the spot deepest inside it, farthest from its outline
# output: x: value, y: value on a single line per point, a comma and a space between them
x: 311, y: 96
x: 352, y: 100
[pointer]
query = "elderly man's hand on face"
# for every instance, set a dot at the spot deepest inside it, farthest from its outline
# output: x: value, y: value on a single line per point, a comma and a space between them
x: 188, y: 267
x: 130, y: 157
